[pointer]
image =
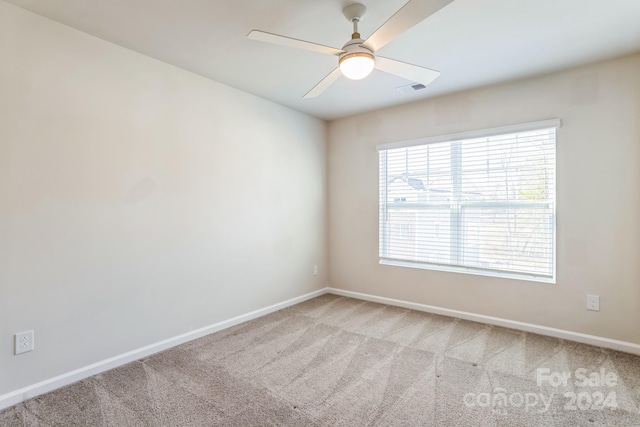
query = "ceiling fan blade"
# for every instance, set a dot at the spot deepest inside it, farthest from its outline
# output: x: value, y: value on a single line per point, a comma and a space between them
x: 410, y: 72
x: 289, y: 42
x: 412, y: 13
x: 324, y: 84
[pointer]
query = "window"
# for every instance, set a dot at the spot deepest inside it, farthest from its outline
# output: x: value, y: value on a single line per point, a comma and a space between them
x: 480, y: 202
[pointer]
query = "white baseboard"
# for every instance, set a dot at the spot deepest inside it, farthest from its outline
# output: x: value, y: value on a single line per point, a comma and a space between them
x: 624, y: 346
x: 18, y: 396
x: 21, y: 395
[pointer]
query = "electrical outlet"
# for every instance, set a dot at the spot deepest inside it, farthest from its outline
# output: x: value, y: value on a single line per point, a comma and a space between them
x: 315, y: 270
x: 593, y: 302
x: 24, y: 342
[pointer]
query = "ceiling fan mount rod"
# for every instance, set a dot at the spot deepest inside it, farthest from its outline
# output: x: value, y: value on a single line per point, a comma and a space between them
x: 354, y: 14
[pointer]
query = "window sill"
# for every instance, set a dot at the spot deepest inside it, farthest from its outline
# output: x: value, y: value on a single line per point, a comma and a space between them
x: 467, y: 270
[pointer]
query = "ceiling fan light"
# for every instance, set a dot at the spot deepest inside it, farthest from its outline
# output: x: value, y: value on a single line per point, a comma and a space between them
x: 357, y: 65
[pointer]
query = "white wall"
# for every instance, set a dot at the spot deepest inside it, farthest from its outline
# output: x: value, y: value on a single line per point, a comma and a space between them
x: 598, y: 200
x: 139, y: 201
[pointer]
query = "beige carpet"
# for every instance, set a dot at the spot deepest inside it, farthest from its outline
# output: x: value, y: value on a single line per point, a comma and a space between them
x: 340, y: 361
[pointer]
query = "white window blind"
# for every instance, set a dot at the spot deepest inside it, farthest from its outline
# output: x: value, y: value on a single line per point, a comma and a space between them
x: 480, y: 202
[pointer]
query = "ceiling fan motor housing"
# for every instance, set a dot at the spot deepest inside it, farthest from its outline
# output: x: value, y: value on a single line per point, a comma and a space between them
x: 354, y: 50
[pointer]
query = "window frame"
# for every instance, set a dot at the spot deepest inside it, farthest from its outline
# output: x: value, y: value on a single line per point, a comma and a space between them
x: 457, y: 214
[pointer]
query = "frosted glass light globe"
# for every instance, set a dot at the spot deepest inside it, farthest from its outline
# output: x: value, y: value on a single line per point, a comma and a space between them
x: 357, y: 65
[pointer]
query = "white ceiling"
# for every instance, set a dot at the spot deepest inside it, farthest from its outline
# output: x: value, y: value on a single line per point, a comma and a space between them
x: 472, y: 42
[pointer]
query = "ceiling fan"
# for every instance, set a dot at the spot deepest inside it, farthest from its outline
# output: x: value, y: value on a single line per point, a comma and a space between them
x: 357, y: 57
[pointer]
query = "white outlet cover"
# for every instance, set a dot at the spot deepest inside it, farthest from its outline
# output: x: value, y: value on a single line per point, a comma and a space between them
x: 24, y: 342
x: 593, y: 302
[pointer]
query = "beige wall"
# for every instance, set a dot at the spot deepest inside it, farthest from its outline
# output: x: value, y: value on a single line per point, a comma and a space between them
x: 139, y: 201
x: 598, y: 200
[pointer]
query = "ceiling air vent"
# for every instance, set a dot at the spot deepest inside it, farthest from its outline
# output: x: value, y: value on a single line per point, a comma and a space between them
x: 410, y: 88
